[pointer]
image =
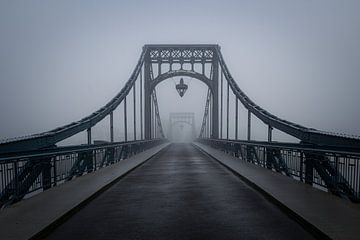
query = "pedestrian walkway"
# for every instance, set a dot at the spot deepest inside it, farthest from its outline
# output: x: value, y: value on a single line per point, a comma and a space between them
x: 180, y: 194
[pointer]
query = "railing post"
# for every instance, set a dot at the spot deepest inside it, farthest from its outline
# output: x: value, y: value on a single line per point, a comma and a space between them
x: 336, y: 169
x: 54, y: 171
x: 46, y: 173
x: 16, y: 176
x: 309, y: 169
x: 90, y: 161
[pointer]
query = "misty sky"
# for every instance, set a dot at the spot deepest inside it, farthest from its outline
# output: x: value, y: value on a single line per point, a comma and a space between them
x: 62, y: 60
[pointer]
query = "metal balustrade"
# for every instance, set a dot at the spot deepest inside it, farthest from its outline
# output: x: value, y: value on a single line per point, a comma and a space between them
x: 333, y: 170
x: 25, y: 175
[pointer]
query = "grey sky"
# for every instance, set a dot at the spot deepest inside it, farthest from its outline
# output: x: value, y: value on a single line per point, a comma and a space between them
x: 62, y: 60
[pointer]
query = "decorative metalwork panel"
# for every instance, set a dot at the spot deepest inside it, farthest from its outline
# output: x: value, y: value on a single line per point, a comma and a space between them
x: 182, y: 53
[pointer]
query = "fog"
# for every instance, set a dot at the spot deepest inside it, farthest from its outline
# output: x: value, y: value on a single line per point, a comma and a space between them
x: 62, y: 60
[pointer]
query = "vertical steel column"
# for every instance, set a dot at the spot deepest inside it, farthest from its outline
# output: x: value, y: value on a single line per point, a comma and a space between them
x: 221, y: 104
x: 209, y: 127
x: 269, y: 152
x: 112, y: 127
x: 236, y: 117
x: 215, y: 97
x: 301, y: 166
x: 141, y: 107
x: 89, y: 135
x: 125, y: 119
x: 193, y: 127
x: 210, y: 117
x: 270, y: 133
x: 249, y: 126
x: 169, y: 135
x: 147, y: 96
x: 152, y: 119
x: 206, y: 126
x: 227, y: 111
x: 134, y: 102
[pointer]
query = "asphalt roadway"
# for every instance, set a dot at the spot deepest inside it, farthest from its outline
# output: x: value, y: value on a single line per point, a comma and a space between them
x: 180, y: 194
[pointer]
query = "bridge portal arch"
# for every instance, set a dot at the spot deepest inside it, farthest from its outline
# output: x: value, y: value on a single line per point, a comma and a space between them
x: 158, y: 55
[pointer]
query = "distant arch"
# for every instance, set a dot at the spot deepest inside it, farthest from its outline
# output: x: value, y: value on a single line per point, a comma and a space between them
x: 186, y: 122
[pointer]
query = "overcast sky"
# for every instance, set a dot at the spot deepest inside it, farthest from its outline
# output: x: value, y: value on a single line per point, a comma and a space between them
x: 62, y: 60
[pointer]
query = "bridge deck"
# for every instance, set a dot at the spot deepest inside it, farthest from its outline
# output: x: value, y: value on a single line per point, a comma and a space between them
x: 180, y: 194
x: 330, y: 216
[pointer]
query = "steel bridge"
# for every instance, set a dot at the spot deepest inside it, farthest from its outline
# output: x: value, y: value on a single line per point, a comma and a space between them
x: 180, y: 191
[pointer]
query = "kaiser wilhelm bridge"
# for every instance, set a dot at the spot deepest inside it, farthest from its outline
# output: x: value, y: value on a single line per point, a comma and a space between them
x: 145, y: 187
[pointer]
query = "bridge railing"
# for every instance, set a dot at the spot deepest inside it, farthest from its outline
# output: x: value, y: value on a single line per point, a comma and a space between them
x: 26, y: 174
x: 333, y: 170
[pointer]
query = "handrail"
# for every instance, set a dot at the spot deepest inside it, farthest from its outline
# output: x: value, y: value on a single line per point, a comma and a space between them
x: 71, y: 149
x: 292, y: 146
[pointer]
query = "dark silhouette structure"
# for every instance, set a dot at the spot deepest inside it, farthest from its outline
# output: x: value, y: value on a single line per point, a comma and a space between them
x: 34, y: 162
